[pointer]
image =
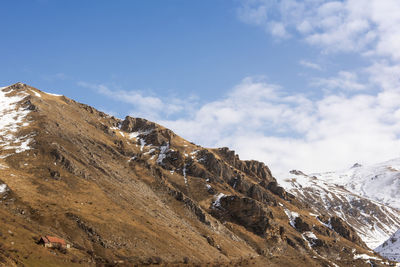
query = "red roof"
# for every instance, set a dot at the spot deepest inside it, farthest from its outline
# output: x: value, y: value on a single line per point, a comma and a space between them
x: 53, y: 239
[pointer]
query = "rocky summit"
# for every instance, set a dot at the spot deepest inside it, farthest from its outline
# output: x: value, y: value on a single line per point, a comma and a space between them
x: 81, y: 188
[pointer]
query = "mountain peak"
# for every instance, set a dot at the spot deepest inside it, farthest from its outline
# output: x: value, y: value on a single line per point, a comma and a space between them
x: 356, y: 165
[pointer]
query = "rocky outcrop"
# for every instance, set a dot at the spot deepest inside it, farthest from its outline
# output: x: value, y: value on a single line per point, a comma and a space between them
x: 150, y: 132
x: 276, y: 189
x: 301, y: 225
x: 345, y: 230
x: 256, y: 192
x: 342, y: 228
x: 250, y: 167
x: 190, y: 204
x: 243, y: 211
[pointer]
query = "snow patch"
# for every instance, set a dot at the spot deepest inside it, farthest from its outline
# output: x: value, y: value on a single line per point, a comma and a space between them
x: 292, y: 216
x: 12, y: 118
x: 52, y: 94
x: 217, y: 202
x: 310, y: 235
x: 142, y: 143
x: 329, y: 225
x: 163, y: 153
x: 365, y: 257
x: 184, y: 174
x: 3, y: 188
x: 133, y: 135
x: 36, y: 93
x: 390, y: 249
x: 149, y: 152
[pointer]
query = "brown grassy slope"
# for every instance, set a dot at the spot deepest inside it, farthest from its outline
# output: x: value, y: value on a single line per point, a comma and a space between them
x: 87, y: 181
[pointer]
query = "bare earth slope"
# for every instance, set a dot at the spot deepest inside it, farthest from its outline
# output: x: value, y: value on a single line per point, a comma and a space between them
x: 131, y: 192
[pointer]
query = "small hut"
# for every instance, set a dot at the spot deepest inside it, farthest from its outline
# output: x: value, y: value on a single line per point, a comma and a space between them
x: 53, y: 242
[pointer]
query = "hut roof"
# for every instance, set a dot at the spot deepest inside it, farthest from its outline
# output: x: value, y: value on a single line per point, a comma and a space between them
x: 53, y: 239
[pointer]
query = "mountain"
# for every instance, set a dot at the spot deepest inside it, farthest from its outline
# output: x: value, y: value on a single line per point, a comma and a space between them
x: 379, y: 182
x: 132, y: 192
x: 366, y: 197
x: 390, y: 249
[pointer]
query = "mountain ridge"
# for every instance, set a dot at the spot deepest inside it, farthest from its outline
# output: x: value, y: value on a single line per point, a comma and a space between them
x: 130, y: 191
x: 363, y: 196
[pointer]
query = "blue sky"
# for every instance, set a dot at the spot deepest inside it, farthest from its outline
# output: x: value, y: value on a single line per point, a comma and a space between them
x: 297, y: 84
x: 166, y: 47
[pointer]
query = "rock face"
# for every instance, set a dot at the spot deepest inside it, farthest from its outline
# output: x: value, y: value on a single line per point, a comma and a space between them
x: 243, y: 211
x: 131, y: 193
x: 343, y: 229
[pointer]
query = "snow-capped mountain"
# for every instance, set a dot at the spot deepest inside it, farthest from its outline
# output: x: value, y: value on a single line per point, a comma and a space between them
x: 380, y: 182
x: 364, y: 196
x: 390, y: 249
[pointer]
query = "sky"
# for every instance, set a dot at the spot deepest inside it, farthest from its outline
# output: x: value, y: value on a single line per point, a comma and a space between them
x: 312, y: 85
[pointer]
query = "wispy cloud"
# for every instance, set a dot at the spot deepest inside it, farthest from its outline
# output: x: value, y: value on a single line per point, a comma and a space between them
x: 309, y: 64
x: 143, y: 104
x: 370, y: 27
x: 344, y: 80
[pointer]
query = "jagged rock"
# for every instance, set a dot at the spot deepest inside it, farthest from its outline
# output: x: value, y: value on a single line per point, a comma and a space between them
x: 342, y: 228
x: 137, y: 124
x: 356, y: 165
x: 296, y: 172
x: 150, y: 132
x: 189, y: 204
x: 258, y: 169
x: 345, y: 230
x: 55, y: 174
x: 228, y: 155
x: 239, y: 184
x: 256, y: 192
x: 301, y: 225
x: 243, y: 211
x: 276, y: 189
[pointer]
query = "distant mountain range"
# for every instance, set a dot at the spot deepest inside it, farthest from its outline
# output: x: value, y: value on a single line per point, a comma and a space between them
x: 366, y: 197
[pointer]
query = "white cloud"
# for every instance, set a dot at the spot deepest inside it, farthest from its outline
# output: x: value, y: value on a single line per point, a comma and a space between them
x: 344, y: 80
x: 385, y: 75
x: 261, y: 122
x: 310, y: 65
x: 150, y: 107
x: 253, y: 12
x: 351, y: 25
x: 278, y: 29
